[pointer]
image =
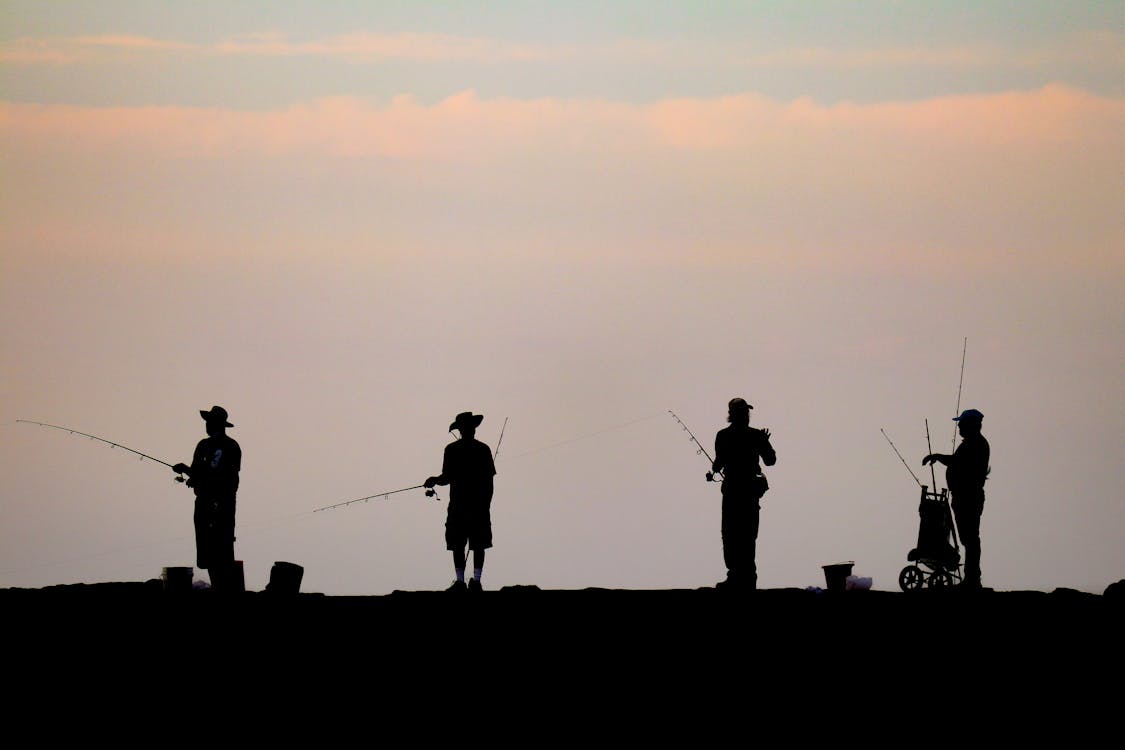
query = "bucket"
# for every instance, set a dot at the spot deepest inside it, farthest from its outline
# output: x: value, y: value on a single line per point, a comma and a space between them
x: 836, y: 576
x: 285, y: 578
x: 177, y: 580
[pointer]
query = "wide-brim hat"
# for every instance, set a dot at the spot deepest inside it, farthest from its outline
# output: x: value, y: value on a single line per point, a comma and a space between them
x: 466, y: 419
x: 217, y: 414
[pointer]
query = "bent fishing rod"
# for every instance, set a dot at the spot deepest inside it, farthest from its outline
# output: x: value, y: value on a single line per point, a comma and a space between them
x: 700, y: 450
x: 179, y: 477
x: 430, y: 492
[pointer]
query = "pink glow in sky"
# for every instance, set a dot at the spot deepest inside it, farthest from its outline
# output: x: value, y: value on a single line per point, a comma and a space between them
x: 577, y: 231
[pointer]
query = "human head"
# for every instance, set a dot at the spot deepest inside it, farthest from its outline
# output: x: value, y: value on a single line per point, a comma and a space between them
x: 738, y: 411
x: 466, y: 423
x: 215, y: 420
x: 969, y: 423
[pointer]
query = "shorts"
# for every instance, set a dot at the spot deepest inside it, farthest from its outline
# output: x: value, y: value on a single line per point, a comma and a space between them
x: 468, y: 523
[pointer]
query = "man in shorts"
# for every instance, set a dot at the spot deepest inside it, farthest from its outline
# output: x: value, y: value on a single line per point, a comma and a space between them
x: 468, y: 469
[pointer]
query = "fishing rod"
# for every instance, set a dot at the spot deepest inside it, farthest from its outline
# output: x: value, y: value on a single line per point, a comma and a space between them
x: 960, y: 382
x: 496, y: 453
x: 900, y: 458
x: 110, y: 443
x: 700, y: 450
x: 930, y: 450
x: 430, y: 492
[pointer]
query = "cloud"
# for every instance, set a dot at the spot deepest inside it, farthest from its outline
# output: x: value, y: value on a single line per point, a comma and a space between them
x: 1002, y: 178
x: 466, y: 127
x: 368, y: 47
x: 57, y: 51
x: 1101, y: 49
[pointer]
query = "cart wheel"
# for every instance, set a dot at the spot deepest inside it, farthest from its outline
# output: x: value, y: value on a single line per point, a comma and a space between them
x: 911, y: 578
x: 940, y: 579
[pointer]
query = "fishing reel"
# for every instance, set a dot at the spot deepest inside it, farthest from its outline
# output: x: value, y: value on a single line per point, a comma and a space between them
x: 710, y: 476
x: 433, y: 493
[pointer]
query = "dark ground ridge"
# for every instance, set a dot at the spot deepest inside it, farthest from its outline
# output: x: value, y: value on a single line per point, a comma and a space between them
x: 631, y: 660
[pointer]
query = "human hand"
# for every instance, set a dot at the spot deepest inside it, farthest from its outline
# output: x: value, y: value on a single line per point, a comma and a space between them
x: 429, y: 482
x: 180, y: 468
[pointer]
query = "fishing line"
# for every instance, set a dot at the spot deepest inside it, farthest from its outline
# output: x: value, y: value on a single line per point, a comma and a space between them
x: 432, y: 493
x: 585, y: 436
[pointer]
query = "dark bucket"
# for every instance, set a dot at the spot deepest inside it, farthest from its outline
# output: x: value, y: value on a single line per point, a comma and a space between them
x: 285, y: 578
x: 177, y: 580
x: 836, y: 576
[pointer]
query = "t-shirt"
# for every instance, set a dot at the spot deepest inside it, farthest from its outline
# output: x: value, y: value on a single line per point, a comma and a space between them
x: 215, y: 466
x: 468, y: 468
x: 969, y: 467
x: 738, y: 450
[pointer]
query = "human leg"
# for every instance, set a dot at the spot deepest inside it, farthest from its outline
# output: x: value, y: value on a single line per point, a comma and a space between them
x: 968, y: 510
x: 455, y: 540
x: 202, y: 518
x: 218, y: 533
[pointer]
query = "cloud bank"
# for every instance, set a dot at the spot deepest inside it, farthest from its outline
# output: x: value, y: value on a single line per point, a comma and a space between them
x: 466, y: 127
x: 1098, y: 49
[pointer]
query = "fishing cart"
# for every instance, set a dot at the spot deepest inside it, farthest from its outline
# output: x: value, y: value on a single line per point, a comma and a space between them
x: 936, y: 561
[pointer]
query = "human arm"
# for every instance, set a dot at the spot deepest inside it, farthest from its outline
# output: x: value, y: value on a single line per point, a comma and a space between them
x: 446, y: 470
x: 941, y: 458
x: 719, y: 463
x: 769, y: 456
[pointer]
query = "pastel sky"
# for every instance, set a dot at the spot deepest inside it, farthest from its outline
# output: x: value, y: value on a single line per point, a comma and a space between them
x: 346, y: 222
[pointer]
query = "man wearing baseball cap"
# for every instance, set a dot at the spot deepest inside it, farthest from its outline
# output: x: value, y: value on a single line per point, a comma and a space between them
x: 738, y: 450
x: 468, y: 469
x: 965, y: 474
x: 213, y: 475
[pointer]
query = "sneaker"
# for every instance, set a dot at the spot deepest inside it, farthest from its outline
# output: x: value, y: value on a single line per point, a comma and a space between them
x: 474, y: 586
x: 456, y: 586
x: 736, y: 584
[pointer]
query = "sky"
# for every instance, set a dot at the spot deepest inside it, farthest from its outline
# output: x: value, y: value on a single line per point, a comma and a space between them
x: 346, y: 222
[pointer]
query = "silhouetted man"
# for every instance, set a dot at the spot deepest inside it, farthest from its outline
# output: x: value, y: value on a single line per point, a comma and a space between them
x: 738, y: 449
x: 213, y: 475
x: 966, y: 472
x: 468, y: 469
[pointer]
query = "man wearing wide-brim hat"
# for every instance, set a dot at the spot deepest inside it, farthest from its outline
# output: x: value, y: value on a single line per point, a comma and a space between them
x: 213, y: 475
x: 468, y: 469
x: 965, y: 475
